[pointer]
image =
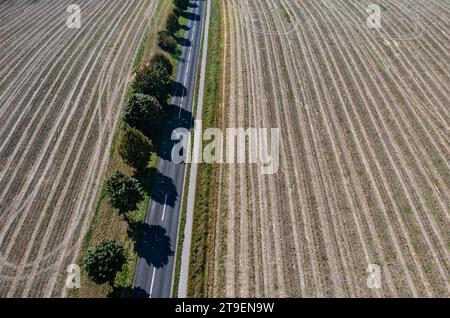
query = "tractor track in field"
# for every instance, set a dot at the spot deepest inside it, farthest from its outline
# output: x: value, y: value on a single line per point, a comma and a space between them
x: 59, y: 122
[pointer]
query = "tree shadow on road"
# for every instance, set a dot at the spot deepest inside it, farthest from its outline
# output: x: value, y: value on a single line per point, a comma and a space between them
x: 191, y: 16
x: 185, y: 27
x: 184, y: 41
x: 154, y: 245
x: 128, y: 292
x: 159, y: 187
x: 192, y: 5
x: 177, y: 117
x: 178, y: 90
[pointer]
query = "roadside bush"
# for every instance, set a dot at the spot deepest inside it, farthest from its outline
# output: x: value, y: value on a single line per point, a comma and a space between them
x: 135, y: 148
x: 172, y: 24
x: 103, y: 262
x: 162, y: 60
x: 166, y: 41
x: 177, y: 11
x: 153, y: 80
x: 182, y: 4
x: 124, y: 192
x: 144, y: 113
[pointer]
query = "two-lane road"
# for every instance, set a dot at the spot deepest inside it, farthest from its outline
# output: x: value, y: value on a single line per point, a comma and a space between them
x: 155, y: 266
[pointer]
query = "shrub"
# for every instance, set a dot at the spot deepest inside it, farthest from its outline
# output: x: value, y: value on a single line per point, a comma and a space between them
x: 145, y: 113
x: 172, y: 24
x: 177, y: 11
x: 182, y: 4
x: 124, y: 192
x: 154, y: 80
x: 162, y: 60
x: 135, y: 148
x: 166, y: 41
x: 103, y: 262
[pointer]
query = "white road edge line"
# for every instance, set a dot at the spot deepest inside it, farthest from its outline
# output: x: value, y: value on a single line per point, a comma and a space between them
x: 153, y: 280
x: 164, y: 209
x: 181, y: 107
x: 193, y: 32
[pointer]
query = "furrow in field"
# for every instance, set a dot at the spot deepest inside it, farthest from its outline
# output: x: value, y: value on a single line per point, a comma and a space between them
x: 331, y: 254
x: 26, y: 11
x: 310, y: 115
x: 40, y: 68
x: 35, y: 19
x: 35, y: 64
x: 346, y: 250
x: 47, y: 32
x: 70, y: 148
x: 45, y: 121
x: 48, y: 227
x: 413, y: 184
x: 364, y: 155
x: 86, y: 199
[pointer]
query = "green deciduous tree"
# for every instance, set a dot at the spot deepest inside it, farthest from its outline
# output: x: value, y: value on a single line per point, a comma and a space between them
x: 104, y: 261
x: 135, y: 148
x: 172, y: 24
x: 177, y: 11
x: 124, y: 192
x: 163, y: 61
x: 154, y: 80
x: 145, y: 113
x: 182, y: 4
x: 166, y: 41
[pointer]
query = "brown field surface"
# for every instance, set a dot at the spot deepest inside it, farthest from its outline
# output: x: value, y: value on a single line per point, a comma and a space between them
x: 364, y: 160
x: 61, y: 93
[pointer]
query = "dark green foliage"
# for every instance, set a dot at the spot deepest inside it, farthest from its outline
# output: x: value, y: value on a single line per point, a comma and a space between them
x: 172, y: 24
x: 177, y: 11
x: 135, y: 148
x: 124, y: 192
x: 145, y: 113
x: 182, y: 4
x: 103, y: 262
x: 162, y: 60
x: 166, y: 41
x: 154, y: 80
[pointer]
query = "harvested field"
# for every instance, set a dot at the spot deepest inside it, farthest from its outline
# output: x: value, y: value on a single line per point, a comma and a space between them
x: 364, y: 160
x: 61, y: 93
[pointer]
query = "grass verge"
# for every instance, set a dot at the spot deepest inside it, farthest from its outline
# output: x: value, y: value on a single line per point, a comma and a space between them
x: 206, y: 198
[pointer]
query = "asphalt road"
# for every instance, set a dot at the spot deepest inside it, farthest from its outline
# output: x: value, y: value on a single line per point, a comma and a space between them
x: 186, y: 251
x: 157, y: 248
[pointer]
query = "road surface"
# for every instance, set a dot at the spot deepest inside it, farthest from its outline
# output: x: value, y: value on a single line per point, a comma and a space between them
x: 157, y: 248
x: 186, y: 252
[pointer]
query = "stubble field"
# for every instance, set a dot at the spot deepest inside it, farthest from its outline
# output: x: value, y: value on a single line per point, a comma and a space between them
x: 364, y: 160
x: 61, y: 93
